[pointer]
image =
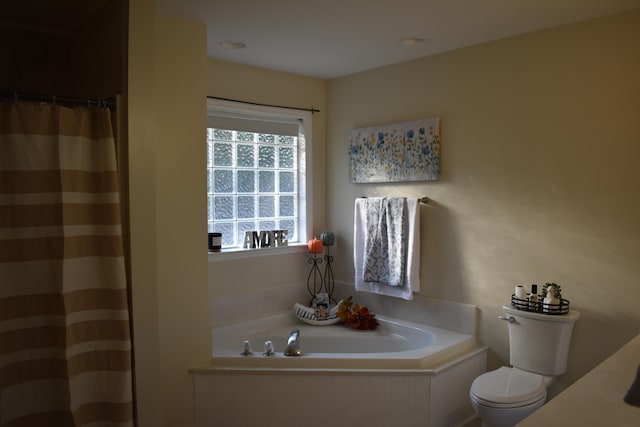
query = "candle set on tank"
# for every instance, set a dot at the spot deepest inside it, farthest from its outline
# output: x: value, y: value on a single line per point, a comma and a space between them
x: 550, y: 301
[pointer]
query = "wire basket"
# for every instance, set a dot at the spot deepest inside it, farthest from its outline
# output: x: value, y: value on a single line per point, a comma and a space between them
x: 539, y: 306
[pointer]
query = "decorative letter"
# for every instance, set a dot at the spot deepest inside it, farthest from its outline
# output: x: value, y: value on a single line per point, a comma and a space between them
x: 281, y: 237
x: 248, y: 240
x: 265, y: 239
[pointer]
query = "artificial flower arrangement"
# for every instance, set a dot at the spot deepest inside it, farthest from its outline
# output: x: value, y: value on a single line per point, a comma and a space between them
x: 356, y: 316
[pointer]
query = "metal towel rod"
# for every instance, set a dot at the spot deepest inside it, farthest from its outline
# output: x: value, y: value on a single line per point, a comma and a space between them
x: 423, y: 200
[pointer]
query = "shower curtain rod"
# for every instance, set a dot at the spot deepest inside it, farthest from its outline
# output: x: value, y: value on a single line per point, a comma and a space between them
x: 7, y: 95
x: 312, y: 110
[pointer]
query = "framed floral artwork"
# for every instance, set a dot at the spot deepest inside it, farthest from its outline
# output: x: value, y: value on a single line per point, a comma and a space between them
x: 408, y: 151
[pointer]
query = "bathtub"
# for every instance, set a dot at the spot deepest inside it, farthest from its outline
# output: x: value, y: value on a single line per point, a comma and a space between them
x: 403, y: 373
x: 394, y: 345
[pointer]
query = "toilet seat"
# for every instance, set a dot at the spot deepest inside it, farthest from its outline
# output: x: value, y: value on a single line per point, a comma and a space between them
x: 508, y: 388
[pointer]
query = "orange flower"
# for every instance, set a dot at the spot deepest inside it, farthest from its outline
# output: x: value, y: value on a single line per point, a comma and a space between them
x: 356, y: 316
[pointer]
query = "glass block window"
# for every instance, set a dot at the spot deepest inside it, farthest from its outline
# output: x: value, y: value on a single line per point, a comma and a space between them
x: 253, y: 184
x: 258, y: 171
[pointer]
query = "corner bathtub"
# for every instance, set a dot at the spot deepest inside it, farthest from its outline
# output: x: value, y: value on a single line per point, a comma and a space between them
x: 403, y: 373
x: 394, y: 345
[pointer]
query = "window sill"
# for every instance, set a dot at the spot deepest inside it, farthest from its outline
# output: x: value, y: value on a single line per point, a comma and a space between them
x: 240, y: 253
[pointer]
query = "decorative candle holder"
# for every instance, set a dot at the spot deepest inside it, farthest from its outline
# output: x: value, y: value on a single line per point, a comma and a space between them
x: 314, y: 279
x: 329, y: 281
x: 321, y: 286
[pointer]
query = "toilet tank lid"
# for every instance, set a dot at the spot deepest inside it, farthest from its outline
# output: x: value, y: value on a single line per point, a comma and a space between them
x: 508, y: 385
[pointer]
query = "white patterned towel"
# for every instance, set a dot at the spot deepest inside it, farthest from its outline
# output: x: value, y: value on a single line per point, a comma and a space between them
x: 387, y: 246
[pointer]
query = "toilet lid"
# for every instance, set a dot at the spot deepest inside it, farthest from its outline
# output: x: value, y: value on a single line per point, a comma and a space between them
x: 508, y: 386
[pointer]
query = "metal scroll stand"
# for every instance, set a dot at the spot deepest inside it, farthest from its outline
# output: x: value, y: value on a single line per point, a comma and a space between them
x: 315, y: 281
x: 329, y: 281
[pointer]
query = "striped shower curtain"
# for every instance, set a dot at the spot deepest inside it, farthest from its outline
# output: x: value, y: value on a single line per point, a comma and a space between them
x: 65, y: 350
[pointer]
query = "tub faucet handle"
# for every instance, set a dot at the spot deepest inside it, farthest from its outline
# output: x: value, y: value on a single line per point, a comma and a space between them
x: 269, y: 350
x: 246, y: 349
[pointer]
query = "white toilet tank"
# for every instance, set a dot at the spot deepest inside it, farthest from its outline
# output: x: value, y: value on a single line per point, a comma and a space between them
x: 540, y: 342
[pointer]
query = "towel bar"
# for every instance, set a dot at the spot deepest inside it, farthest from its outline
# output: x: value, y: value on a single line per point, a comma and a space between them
x: 423, y: 200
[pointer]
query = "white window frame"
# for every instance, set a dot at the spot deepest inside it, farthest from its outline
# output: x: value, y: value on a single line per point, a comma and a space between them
x: 232, y: 109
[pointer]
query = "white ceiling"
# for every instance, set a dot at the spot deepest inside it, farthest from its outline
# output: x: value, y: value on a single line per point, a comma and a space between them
x: 331, y: 38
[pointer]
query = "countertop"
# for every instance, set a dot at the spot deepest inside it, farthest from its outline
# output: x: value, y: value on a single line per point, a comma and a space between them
x: 596, y: 399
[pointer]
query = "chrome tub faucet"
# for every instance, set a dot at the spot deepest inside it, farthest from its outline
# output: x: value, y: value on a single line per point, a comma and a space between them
x: 293, y: 344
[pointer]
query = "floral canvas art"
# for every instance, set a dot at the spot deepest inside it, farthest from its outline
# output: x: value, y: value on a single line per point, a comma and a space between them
x: 408, y: 151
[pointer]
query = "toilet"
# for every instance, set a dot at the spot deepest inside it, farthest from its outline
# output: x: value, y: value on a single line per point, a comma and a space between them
x: 539, y: 346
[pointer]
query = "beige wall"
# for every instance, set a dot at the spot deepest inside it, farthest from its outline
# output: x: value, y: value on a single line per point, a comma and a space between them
x: 539, y: 179
x: 271, y: 275
x: 539, y: 184
x: 167, y: 109
x: 141, y: 101
x: 173, y: 298
x: 251, y: 84
x: 181, y: 227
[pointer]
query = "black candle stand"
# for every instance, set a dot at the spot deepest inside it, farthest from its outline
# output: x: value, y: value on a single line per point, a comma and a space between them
x: 315, y: 282
x: 329, y: 281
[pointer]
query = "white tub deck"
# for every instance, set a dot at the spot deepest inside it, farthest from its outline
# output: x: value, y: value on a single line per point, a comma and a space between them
x: 403, y: 373
x: 395, y: 345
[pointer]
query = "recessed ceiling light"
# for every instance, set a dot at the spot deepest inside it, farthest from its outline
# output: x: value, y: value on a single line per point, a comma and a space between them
x: 227, y: 44
x: 411, y: 41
